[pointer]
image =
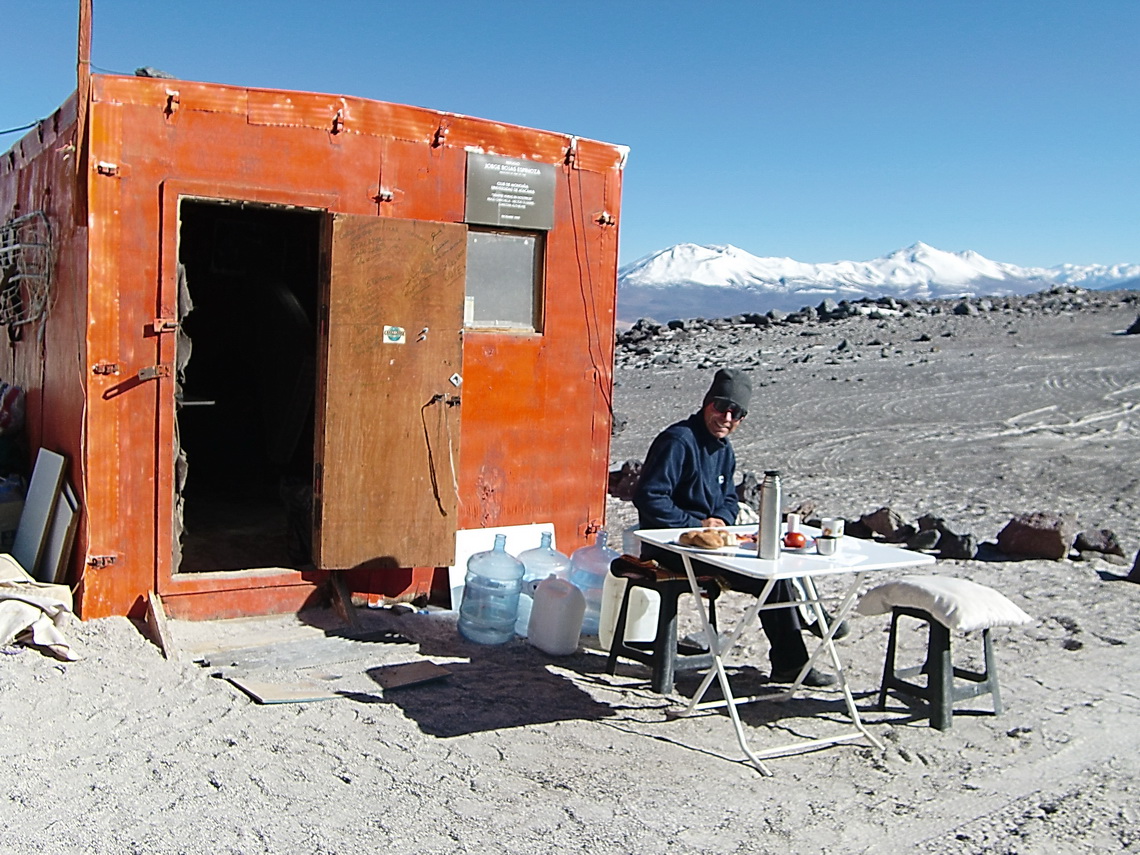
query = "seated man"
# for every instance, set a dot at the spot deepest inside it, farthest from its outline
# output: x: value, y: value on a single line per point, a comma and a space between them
x: 687, y: 481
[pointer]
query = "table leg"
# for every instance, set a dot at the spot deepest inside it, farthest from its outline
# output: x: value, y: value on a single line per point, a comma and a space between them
x: 718, y: 663
x: 828, y: 643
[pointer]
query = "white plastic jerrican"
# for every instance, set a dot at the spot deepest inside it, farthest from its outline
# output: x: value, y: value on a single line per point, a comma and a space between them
x: 640, y: 622
x: 540, y: 562
x: 556, y: 617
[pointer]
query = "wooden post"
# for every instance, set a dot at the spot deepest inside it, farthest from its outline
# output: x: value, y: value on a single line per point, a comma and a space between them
x: 83, y: 99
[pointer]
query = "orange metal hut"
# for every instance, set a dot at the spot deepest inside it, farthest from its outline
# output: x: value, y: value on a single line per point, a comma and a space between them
x: 283, y: 334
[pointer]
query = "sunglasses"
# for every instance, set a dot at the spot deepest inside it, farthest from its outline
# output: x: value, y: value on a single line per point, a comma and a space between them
x: 723, y: 405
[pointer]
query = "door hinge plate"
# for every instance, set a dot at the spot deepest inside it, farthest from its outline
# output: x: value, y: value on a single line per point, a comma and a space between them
x: 153, y: 372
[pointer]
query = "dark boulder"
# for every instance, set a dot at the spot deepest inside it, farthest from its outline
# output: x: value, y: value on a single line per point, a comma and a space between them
x: 1037, y: 535
x: 623, y: 482
x: 748, y: 490
x: 1101, y: 540
x: 883, y: 522
x: 961, y: 547
x: 1134, y: 576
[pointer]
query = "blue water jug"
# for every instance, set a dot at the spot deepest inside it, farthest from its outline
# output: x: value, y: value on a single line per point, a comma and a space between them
x: 541, y: 562
x: 589, y: 567
x: 491, y: 595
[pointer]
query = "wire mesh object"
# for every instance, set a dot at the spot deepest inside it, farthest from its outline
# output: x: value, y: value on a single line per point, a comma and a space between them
x: 25, y: 269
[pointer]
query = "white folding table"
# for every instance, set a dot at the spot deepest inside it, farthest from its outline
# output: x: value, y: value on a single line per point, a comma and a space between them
x: 853, y: 558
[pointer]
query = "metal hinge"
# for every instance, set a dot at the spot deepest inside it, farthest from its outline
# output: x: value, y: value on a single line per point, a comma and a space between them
x: 105, y: 368
x: 101, y: 560
x: 104, y: 168
x: 153, y: 372
x: 161, y: 325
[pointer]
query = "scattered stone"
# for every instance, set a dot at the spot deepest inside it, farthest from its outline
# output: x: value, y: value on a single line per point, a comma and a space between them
x: 928, y: 522
x: 883, y: 522
x: 1037, y: 535
x: 619, y: 424
x: 902, y: 534
x: 806, y: 510
x: 748, y: 490
x: 965, y: 308
x: 959, y: 547
x: 623, y: 482
x: 923, y: 540
x: 1134, y: 575
x: 1101, y: 540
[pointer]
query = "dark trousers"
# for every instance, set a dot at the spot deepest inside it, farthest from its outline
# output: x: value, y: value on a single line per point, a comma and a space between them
x: 787, y: 651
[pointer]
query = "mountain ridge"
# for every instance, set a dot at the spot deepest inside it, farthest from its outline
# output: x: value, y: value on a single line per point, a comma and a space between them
x: 689, y: 280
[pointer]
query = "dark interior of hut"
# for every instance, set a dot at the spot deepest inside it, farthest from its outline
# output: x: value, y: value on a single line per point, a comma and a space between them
x: 249, y: 279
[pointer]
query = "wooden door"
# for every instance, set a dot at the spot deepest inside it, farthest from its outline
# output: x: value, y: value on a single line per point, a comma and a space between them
x: 387, y: 431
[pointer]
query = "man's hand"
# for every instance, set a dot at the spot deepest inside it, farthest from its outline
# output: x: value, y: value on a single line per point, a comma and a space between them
x: 713, y: 522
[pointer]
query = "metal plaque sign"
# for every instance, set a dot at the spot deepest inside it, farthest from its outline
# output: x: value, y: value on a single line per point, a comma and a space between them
x: 507, y: 191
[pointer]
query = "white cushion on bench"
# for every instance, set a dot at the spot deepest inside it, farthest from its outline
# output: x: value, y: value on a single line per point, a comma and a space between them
x: 955, y: 603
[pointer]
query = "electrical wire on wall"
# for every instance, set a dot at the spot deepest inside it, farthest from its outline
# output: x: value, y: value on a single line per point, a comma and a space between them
x: 586, y: 285
x: 448, y: 401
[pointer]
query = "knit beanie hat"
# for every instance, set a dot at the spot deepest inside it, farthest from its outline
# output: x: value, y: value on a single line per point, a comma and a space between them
x: 733, y: 384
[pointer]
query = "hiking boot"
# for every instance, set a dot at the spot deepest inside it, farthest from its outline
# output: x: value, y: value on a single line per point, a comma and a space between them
x: 840, y: 631
x: 813, y: 679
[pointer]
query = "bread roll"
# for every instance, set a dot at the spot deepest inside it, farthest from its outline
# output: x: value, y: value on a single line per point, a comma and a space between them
x: 708, y: 538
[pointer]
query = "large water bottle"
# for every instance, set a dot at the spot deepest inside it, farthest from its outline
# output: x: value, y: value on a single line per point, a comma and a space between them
x: 541, y: 562
x: 589, y: 567
x: 491, y: 595
x: 768, y: 537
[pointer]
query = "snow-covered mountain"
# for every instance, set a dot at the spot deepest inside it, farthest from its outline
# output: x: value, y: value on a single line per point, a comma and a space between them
x: 687, y: 280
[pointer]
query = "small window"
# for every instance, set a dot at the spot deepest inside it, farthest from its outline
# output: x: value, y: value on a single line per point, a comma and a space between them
x: 504, y: 281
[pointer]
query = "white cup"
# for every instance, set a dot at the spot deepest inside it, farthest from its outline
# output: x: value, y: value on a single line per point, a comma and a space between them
x: 831, y: 527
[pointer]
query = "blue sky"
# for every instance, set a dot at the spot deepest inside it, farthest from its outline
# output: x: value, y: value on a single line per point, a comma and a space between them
x: 820, y: 130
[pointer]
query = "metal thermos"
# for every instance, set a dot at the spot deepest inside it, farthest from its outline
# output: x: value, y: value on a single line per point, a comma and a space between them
x: 768, y: 537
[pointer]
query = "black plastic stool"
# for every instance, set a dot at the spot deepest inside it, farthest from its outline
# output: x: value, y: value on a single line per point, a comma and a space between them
x: 662, y: 655
x: 941, y: 690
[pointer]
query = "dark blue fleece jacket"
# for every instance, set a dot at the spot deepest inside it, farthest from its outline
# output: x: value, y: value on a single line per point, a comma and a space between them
x: 687, y: 477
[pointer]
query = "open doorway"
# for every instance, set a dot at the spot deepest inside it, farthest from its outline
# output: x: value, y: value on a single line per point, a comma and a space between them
x: 249, y: 280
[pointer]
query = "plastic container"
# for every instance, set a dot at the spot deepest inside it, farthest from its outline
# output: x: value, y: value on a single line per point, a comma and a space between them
x: 589, y: 567
x: 491, y: 595
x: 541, y: 562
x: 768, y: 537
x: 640, y: 623
x: 556, y: 619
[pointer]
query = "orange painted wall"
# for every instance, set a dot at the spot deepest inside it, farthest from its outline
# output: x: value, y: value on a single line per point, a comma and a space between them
x: 536, y: 408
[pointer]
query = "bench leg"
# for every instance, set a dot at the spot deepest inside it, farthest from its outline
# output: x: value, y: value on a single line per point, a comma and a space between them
x: 665, y: 644
x: 940, y: 676
x: 618, y: 641
x: 889, y: 662
x: 991, y: 671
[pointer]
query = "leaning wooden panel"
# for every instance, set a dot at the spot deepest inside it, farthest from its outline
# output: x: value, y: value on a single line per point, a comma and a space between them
x: 388, y: 412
